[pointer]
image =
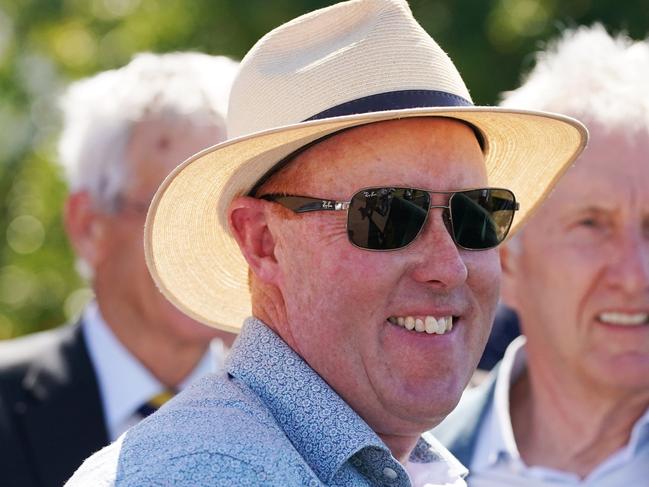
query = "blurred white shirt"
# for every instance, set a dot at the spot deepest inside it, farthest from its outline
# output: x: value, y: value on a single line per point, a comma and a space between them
x: 497, y: 461
x: 124, y: 383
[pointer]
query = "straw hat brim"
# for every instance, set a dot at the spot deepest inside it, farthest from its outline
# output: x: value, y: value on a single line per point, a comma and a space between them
x: 196, y: 262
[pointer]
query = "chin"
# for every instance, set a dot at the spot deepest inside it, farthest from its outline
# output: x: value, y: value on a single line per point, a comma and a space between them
x: 625, y: 373
x: 433, y: 407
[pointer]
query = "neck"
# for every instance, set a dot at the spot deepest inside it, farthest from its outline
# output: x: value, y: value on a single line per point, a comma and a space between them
x: 268, y: 306
x: 550, y: 408
x: 167, y: 359
x: 400, y: 446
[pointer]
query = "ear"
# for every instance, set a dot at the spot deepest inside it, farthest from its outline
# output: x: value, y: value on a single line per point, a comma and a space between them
x: 509, y: 254
x: 248, y: 219
x: 84, y: 227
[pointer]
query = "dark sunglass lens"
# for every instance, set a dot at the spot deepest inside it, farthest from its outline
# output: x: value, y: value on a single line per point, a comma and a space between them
x: 482, y: 217
x: 386, y: 218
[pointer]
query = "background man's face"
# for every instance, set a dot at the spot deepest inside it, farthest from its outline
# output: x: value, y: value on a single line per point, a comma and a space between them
x: 154, y: 150
x: 339, y: 297
x: 580, y: 276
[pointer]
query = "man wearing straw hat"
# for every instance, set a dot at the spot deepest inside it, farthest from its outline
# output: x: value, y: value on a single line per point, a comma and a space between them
x: 354, y: 216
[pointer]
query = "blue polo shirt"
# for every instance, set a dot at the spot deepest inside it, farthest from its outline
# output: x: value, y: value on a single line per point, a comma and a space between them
x: 268, y: 420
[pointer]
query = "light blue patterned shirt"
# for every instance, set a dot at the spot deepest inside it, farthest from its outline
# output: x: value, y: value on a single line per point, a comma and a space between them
x: 269, y: 420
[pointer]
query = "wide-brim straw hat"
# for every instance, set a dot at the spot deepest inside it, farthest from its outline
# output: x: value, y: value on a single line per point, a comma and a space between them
x: 354, y: 63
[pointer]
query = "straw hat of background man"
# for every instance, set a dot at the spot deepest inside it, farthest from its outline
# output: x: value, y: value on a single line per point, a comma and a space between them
x: 190, y: 251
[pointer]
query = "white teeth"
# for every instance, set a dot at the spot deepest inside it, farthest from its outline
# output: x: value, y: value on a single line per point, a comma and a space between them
x: 419, y: 325
x: 424, y: 324
x: 409, y: 323
x: 624, y: 319
x: 441, y: 326
x: 431, y: 325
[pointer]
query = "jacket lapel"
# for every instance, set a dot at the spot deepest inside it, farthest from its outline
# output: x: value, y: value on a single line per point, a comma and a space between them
x: 62, y: 416
x: 459, y: 431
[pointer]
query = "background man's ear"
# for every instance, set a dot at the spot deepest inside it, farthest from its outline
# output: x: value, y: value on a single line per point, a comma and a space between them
x: 248, y: 222
x: 509, y: 254
x: 84, y: 226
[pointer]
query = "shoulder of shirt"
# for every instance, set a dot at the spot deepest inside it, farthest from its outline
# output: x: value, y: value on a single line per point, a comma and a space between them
x: 217, y: 430
x: 103, y: 470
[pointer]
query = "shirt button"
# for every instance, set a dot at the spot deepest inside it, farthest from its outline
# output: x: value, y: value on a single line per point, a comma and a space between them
x: 313, y: 483
x: 389, y: 473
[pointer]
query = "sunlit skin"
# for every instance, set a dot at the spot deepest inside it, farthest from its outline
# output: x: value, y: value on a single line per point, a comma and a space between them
x: 330, y: 301
x: 584, y: 253
x: 168, y: 342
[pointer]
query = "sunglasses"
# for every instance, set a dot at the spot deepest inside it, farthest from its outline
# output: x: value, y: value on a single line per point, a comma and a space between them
x: 384, y: 218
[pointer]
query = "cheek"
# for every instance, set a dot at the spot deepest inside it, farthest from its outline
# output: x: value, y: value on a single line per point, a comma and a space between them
x: 342, y: 280
x: 124, y: 250
x: 309, y: 277
x: 556, y: 285
x: 567, y: 272
x: 483, y: 278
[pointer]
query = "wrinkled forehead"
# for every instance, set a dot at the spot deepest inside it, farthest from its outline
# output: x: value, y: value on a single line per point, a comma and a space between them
x: 433, y: 153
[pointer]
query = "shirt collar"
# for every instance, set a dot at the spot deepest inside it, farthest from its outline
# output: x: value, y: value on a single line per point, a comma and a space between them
x: 498, y: 429
x: 124, y: 383
x: 639, y: 435
x: 498, y: 425
x: 442, y: 464
x: 299, y: 399
x: 325, y: 430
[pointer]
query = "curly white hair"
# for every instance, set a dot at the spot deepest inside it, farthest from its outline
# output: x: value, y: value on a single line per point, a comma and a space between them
x: 100, y: 112
x: 589, y: 74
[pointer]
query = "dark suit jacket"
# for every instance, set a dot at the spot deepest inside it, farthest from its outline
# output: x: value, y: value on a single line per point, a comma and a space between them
x: 504, y: 331
x: 51, y: 415
x: 459, y: 431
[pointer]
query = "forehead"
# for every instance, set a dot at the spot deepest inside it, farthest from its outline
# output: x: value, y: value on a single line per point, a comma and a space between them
x: 431, y: 153
x: 155, y: 147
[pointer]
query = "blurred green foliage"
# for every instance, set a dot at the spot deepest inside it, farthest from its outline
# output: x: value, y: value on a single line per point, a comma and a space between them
x: 46, y: 43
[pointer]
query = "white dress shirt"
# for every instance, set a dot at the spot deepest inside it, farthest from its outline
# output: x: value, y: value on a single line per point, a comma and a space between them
x: 447, y: 473
x: 124, y: 383
x: 497, y: 461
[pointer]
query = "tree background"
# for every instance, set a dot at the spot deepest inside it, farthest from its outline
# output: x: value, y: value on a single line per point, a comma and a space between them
x: 46, y: 43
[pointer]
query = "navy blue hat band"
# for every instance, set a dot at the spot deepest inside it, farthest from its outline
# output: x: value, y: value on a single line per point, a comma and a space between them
x: 393, y: 100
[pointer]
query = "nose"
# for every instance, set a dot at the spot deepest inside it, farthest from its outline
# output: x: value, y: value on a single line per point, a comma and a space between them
x: 439, y: 262
x: 629, y: 270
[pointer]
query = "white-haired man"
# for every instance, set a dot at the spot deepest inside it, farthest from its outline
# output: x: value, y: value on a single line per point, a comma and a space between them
x: 569, y: 403
x: 68, y: 392
x: 366, y: 195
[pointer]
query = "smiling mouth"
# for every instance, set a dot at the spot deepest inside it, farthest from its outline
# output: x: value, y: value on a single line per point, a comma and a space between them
x: 424, y: 324
x: 623, y: 319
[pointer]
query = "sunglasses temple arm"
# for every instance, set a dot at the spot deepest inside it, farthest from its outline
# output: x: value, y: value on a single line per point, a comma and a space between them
x: 323, y: 205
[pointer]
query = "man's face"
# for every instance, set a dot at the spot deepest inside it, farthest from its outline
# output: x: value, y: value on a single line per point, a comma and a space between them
x: 339, y: 298
x: 579, y: 273
x: 155, y: 148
